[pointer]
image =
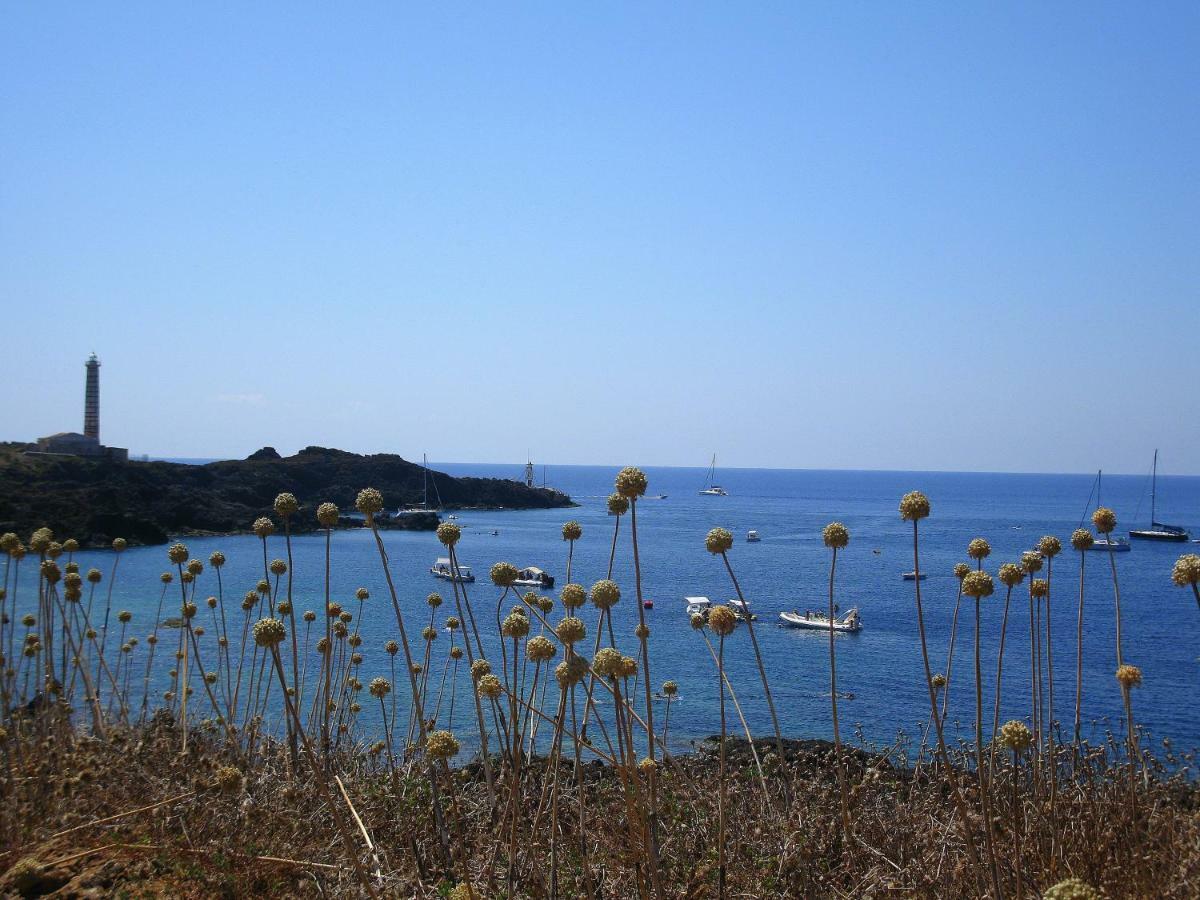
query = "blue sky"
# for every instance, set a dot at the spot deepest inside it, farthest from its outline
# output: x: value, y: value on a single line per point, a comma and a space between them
x: 904, y: 236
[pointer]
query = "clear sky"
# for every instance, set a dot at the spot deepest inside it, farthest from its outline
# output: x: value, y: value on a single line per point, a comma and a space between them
x: 932, y: 236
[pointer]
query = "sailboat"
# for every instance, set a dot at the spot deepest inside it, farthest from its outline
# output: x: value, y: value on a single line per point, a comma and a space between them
x: 710, y: 489
x: 1115, y: 544
x: 1157, y: 530
x: 424, y: 507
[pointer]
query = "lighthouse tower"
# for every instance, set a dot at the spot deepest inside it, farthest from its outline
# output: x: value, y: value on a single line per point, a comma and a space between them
x: 91, y: 399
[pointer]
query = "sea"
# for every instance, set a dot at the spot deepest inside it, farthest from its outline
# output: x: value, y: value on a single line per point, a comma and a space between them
x: 881, y: 685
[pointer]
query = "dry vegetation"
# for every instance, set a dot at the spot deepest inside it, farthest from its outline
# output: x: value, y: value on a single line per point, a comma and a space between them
x: 255, y: 777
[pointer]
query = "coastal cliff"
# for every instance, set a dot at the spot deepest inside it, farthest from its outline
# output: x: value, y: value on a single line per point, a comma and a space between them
x: 95, y: 500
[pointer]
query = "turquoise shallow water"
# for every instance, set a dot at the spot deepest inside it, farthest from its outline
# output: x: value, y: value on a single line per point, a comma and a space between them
x: 881, y: 667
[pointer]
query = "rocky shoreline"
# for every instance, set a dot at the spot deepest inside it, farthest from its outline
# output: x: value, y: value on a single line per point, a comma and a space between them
x: 96, y: 500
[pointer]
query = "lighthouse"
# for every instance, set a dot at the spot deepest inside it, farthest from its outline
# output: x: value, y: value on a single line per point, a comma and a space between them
x: 91, y: 399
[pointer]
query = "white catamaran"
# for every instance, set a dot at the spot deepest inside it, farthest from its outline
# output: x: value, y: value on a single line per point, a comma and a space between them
x: 710, y: 489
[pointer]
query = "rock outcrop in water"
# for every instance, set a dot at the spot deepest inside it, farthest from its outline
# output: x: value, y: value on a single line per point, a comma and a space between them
x: 96, y: 500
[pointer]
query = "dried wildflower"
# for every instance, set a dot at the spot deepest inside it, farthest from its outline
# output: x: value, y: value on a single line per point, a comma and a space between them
x: 283, y: 607
x: 263, y: 527
x: 40, y: 540
x: 479, y: 668
x: 605, y: 594
x: 1081, y: 539
x: 504, y: 574
x: 1039, y: 587
x: 515, y: 625
x: 718, y: 540
x: 540, y: 649
x: 166, y: 577
x: 309, y: 616
x: 54, y: 550
x: 119, y: 545
x: 978, y: 584
x: 1031, y: 561
x: 216, y: 559
x: 721, y: 620
x: 572, y: 596
x: 1105, y: 520
x: 327, y: 514
x: 333, y: 610
x: 340, y: 630
x: 368, y: 502
x: 646, y: 765
x: 1129, y: 676
x: 355, y: 658
x: 286, y: 505
x: 322, y: 645
x: 269, y: 632
x: 1050, y: 546
x: 187, y: 577
x: 570, y: 630
x: 835, y: 535
x: 188, y: 610
x: 28, y: 620
x: 209, y: 677
x: 195, y: 567
x: 631, y: 482
x: 1011, y: 575
x: 124, y: 616
x: 1016, y: 736
x: 177, y: 553
x: 72, y: 567
x: 1072, y: 889
x: 571, y: 670
x: 642, y: 631
x: 670, y: 688
x: 1186, y: 570
x: 392, y: 648
x: 489, y: 686
x: 456, y: 652
x: 939, y: 681
x: 617, y: 505
x: 628, y: 666
x: 50, y: 571
x: 9, y: 542
x: 380, y: 687
x: 572, y: 531
x: 448, y: 533
x: 452, y: 623
x: 979, y: 549
x: 429, y: 632
x: 72, y: 579
x: 697, y: 621
x: 441, y: 745
x: 914, y: 505
x: 278, y: 567
x: 608, y: 663
x: 434, y: 600
x: 346, y: 616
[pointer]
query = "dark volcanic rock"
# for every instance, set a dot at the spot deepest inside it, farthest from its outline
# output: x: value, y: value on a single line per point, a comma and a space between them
x: 95, y: 500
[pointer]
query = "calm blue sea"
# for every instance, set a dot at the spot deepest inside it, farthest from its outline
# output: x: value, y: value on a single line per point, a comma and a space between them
x: 789, y: 568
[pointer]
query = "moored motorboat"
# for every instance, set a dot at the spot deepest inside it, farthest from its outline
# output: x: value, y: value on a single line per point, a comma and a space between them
x: 442, y: 569
x: 647, y: 603
x: 1116, y: 545
x: 741, y: 609
x: 818, y: 621
x: 912, y: 576
x: 752, y: 537
x: 698, y: 606
x: 532, y: 576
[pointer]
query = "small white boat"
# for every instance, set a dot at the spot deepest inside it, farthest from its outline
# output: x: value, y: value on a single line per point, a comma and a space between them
x: 697, y: 606
x: 912, y: 576
x: 742, y: 611
x: 1116, y: 545
x: 442, y: 569
x: 818, y: 621
x: 532, y: 576
x: 752, y: 537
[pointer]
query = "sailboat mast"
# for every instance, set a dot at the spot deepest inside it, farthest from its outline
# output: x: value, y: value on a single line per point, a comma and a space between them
x: 425, y: 476
x: 1153, y: 487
